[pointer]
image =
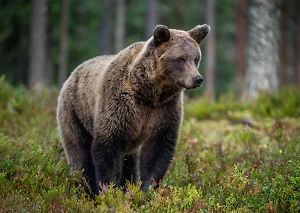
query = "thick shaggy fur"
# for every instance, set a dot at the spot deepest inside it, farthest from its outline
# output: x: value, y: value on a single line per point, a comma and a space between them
x: 119, y: 116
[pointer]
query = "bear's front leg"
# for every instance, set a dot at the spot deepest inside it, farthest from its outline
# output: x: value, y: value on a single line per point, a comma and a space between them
x: 129, y: 173
x: 108, y: 160
x: 157, y: 154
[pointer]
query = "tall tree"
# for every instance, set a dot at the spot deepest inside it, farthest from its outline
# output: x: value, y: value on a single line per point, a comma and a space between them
x: 38, y: 60
x: 284, y: 43
x: 263, y: 47
x: 63, y: 58
x: 14, y: 36
x: 210, y: 49
x: 120, y: 25
x: 296, y: 42
x: 152, y: 17
x: 105, y: 45
x: 242, y: 23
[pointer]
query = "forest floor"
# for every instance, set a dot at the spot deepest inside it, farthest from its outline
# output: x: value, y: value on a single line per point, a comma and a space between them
x: 231, y: 156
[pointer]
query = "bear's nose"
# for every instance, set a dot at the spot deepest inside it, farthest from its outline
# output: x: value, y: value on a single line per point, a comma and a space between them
x: 198, y: 80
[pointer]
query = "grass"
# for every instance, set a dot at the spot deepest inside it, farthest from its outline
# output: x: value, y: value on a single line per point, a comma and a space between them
x: 221, y: 164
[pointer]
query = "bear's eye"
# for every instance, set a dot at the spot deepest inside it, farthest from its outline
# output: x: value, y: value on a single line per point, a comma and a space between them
x: 181, y: 60
x: 196, y: 60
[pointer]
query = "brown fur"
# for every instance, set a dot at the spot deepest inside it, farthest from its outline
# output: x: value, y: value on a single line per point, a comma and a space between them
x: 113, y: 106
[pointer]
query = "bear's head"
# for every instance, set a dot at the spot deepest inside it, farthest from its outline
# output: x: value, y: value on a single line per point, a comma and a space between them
x: 178, y: 54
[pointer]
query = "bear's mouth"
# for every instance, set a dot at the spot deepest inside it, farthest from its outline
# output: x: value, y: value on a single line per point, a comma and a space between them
x: 193, y: 87
x: 189, y: 86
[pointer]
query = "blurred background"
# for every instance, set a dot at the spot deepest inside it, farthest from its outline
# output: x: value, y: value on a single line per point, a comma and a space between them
x: 253, y: 44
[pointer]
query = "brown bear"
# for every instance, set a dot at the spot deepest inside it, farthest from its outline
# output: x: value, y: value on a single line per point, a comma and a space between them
x: 119, y: 115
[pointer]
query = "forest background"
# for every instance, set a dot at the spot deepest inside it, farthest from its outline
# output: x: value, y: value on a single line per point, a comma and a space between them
x: 232, y: 155
x: 42, y: 41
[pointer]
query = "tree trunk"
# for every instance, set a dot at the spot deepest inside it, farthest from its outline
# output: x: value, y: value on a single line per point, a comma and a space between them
x: 284, y: 43
x: 210, y: 54
x: 120, y: 25
x: 38, y: 60
x: 263, y: 47
x: 297, y: 43
x: 242, y: 22
x: 152, y: 17
x: 105, y: 44
x: 49, y: 56
x: 63, y: 58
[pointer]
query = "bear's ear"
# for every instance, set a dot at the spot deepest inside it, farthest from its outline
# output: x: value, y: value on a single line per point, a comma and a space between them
x: 198, y: 33
x: 161, y: 34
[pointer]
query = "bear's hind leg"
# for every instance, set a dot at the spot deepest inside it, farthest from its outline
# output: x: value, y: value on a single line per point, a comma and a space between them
x: 76, y: 142
x: 129, y: 172
x: 89, y: 171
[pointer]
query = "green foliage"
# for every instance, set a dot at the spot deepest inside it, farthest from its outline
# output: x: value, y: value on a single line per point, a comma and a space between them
x: 204, y: 108
x: 219, y: 166
x: 284, y: 103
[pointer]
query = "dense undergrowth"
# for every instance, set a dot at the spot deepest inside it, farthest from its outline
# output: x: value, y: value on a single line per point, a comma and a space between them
x: 223, y: 163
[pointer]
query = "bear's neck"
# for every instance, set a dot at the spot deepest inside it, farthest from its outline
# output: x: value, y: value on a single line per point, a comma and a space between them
x: 151, y: 96
x: 152, y: 90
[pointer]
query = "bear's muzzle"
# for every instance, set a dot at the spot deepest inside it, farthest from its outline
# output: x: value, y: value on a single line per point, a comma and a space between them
x: 198, y: 81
